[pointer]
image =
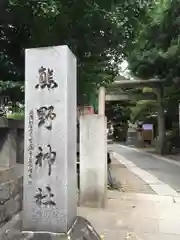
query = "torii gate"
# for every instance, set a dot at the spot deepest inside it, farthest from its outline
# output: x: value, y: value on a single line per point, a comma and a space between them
x: 111, y: 94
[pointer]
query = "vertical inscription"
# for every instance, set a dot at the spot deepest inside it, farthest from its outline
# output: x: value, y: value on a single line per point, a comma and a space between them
x: 46, y: 79
x: 30, y: 145
x: 49, y: 157
x: 45, y: 117
x: 44, y: 197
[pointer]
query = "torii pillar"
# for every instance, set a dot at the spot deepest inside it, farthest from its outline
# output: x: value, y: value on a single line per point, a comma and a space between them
x: 102, y: 99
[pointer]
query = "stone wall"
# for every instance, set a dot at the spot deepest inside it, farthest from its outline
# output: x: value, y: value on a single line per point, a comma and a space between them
x: 11, y: 173
x: 11, y: 142
x: 20, y: 146
x: 18, y: 126
x: 10, y: 198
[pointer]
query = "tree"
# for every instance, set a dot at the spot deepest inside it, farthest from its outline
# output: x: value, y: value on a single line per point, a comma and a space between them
x: 156, y: 51
x: 84, y: 26
x: 157, y: 48
x: 98, y: 32
x: 118, y: 112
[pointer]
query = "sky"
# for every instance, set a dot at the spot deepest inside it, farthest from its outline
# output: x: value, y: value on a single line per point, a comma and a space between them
x: 124, y: 70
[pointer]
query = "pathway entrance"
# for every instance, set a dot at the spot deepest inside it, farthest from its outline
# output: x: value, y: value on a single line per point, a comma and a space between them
x: 114, y: 93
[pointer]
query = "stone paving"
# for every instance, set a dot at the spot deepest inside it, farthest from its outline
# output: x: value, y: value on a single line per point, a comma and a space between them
x: 133, y: 216
x: 163, y: 169
x: 136, y: 212
x: 128, y: 181
x: 136, y: 216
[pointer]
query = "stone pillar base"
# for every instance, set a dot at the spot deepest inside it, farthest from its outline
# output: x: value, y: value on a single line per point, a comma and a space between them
x: 81, y: 229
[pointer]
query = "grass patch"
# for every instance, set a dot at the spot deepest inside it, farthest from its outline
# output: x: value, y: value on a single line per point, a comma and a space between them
x: 16, y: 116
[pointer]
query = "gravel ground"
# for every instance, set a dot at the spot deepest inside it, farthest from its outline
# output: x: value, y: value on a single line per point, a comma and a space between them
x: 128, y: 181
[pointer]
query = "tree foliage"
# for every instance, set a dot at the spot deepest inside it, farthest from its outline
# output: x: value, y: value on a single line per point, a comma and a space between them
x: 85, y: 26
x: 98, y: 32
x: 118, y: 112
x: 156, y: 50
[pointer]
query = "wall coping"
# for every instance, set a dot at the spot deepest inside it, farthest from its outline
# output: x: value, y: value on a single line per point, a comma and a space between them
x: 11, y: 123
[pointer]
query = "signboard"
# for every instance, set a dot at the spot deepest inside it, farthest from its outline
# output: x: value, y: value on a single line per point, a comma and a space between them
x: 147, y: 126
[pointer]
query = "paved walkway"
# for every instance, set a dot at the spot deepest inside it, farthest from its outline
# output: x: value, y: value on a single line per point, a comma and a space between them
x: 159, y: 172
x: 135, y: 216
x: 149, y: 215
x: 149, y: 207
x: 127, y: 181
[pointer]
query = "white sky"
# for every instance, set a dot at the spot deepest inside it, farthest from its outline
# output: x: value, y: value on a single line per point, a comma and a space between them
x: 124, y: 65
x: 124, y: 70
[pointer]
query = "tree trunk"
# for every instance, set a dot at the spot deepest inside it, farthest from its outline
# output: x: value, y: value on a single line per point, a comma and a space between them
x: 161, y: 120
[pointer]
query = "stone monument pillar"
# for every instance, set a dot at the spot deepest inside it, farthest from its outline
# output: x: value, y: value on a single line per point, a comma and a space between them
x: 50, y: 140
x: 93, y: 160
